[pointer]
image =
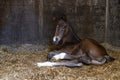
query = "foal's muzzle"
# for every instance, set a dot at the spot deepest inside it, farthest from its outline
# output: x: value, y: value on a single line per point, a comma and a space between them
x: 56, y: 40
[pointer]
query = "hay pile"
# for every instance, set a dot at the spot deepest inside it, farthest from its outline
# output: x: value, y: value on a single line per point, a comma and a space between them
x: 20, y: 65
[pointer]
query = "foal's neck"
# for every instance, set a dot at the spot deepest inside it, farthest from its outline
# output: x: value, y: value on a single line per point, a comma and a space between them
x: 71, y: 38
x: 74, y: 36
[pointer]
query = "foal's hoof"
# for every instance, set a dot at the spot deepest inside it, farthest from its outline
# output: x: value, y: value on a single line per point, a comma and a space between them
x: 50, y: 55
x: 48, y: 58
x: 109, y: 59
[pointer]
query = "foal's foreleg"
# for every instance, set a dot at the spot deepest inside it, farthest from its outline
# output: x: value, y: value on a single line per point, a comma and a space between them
x: 73, y: 63
x: 59, y: 55
x: 51, y: 54
x: 64, y: 55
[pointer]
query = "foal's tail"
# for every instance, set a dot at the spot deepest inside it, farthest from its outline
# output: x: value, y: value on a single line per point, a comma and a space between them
x: 109, y: 58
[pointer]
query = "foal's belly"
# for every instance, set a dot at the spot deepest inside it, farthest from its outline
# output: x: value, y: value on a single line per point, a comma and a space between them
x: 67, y: 49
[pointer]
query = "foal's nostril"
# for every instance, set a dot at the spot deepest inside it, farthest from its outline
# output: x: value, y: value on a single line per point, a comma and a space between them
x: 56, y: 39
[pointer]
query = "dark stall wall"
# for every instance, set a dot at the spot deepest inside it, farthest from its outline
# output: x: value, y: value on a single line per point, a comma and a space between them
x: 114, y: 23
x: 21, y: 22
x: 87, y: 17
x: 3, y: 6
x: 30, y: 21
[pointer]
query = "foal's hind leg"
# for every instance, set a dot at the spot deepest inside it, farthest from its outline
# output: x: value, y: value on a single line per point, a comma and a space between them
x: 99, y: 61
x: 88, y: 60
x: 85, y: 59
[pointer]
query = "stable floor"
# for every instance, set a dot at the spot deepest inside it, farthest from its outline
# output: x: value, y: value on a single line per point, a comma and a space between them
x: 21, y: 66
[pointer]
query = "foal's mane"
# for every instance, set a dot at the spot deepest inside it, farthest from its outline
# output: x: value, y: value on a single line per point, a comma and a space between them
x: 74, y: 34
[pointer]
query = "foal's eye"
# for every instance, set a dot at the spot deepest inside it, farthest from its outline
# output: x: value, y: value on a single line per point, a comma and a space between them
x: 62, y: 29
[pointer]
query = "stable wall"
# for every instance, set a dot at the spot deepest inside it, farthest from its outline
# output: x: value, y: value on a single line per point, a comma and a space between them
x: 30, y: 21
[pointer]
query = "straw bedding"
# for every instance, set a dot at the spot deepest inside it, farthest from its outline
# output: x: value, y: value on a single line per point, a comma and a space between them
x: 20, y: 65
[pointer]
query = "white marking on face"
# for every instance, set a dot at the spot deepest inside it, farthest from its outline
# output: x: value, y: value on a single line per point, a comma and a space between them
x: 56, y: 38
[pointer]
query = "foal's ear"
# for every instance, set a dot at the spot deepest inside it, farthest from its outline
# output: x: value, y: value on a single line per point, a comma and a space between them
x: 64, y: 18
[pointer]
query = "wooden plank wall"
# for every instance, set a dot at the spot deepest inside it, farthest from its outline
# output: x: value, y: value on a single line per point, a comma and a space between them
x: 30, y: 21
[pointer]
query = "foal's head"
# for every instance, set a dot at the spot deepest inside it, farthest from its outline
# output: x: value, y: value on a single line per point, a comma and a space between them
x: 62, y: 30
